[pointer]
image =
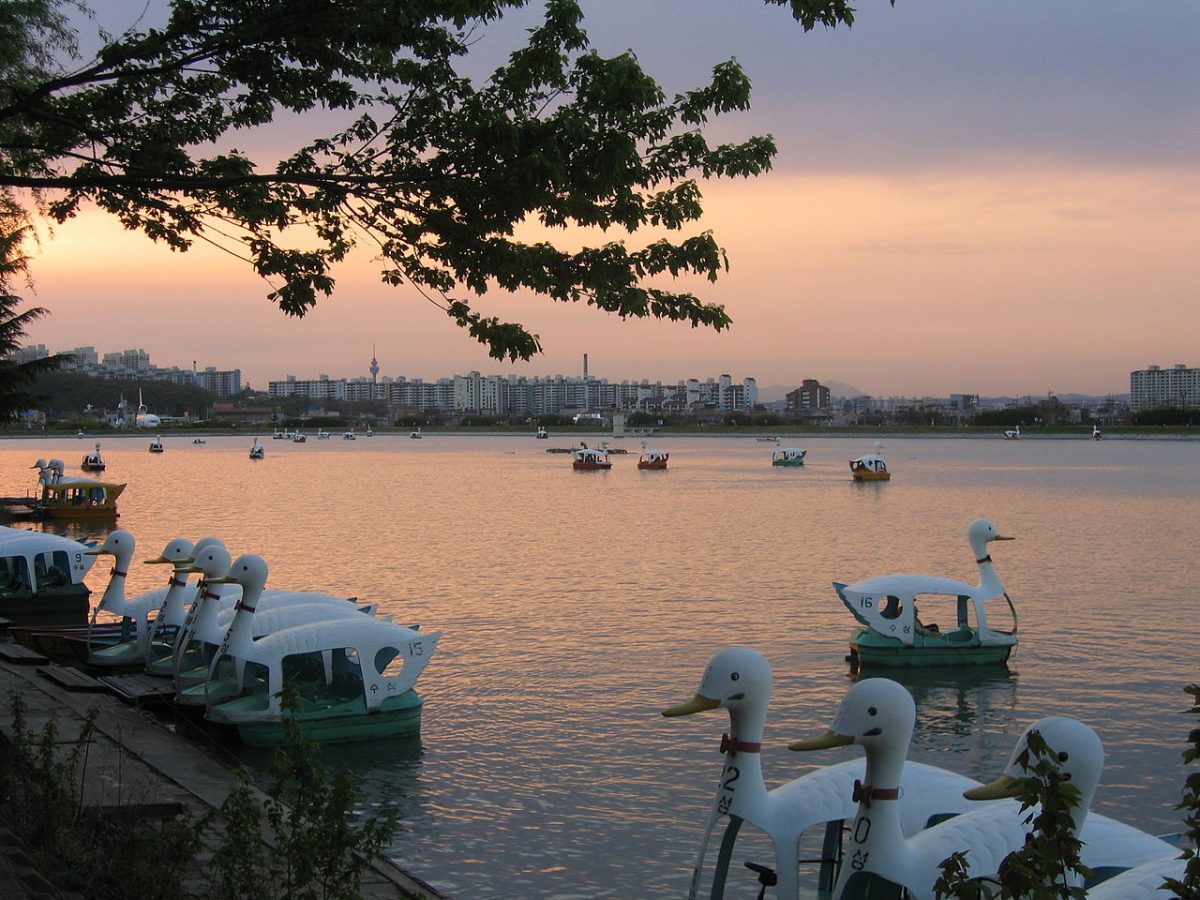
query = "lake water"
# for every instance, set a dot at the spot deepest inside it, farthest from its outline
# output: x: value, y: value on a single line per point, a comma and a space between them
x: 575, y: 606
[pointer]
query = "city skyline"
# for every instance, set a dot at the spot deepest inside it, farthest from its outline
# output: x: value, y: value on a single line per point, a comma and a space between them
x: 967, y: 197
x: 373, y: 371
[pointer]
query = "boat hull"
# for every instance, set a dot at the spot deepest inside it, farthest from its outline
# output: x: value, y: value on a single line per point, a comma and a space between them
x: 69, y: 607
x: 869, y: 649
x: 591, y: 467
x: 872, y: 476
x: 400, y: 717
x: 790, y: 463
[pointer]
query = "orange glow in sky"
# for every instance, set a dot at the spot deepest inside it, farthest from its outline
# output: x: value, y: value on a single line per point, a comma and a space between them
x: 1003, y: 242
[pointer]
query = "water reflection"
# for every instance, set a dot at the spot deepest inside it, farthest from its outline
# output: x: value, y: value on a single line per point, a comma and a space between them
x: 573, y: 609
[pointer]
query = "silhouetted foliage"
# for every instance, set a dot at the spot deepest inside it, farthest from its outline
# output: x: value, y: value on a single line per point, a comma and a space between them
x: 431, y: 168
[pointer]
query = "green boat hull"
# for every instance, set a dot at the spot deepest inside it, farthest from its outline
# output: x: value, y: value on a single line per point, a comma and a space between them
x: 958, y: 648
x: 788, y: 462
x: 351, y: 721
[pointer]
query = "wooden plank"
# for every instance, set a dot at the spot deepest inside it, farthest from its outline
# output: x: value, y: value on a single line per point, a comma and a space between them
x: 71, y: 679
x: 18, y: 654
x: 139, y: 688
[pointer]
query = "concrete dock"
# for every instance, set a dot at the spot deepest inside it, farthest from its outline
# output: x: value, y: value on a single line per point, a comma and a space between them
x: 135, y: 761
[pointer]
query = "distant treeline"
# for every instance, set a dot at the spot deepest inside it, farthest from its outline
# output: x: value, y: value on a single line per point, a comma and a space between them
x: 67, y: 395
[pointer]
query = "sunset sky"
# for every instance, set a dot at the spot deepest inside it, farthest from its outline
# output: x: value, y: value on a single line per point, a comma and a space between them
x: 975, y: 197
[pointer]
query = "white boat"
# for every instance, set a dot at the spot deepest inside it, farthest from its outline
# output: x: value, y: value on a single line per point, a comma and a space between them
x: 93, y: 462
x: 788, y: 456
x: 354, y: 675
x: 415, y: 434
x: 542, y: 434
x: 370, y: 433
x: 156, y: 445
x: 349, y: 436
x: 590, y: 459
x: 1096, y: 433
x: 1013, y: 434
x: 322, y: 435
x: 879, y: 715
x: 769, y: 440
x: 819, y: 803
x: 209, y: 621
x: 870, y: 466
x: 256, y: 450
x: 890, y: 632
x: 299, y: 438
x: 653, y: 460
x: 42, y: 578
x: 199, y: 440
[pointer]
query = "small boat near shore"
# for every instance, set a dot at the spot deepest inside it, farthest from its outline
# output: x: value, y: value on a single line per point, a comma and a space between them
x: 156, y: 445
x: 891, y: 632
x: 256, y: 450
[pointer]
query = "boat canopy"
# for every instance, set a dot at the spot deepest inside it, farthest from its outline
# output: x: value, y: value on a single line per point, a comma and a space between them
x: 789, y: 453
x: 888, y: 604
x: 51, y: 559
x: 872, y: 462
x: 589, y: 454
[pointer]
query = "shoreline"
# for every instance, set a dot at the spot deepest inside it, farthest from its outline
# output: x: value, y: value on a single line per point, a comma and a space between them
x: 1150, y: 434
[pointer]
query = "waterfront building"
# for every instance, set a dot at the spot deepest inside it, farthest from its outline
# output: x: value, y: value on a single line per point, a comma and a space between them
x: 1158, y: 388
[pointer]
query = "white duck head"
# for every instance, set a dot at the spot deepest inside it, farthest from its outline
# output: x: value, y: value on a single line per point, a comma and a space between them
x: 119, y: 544
x: 250, y: 572
x: 1074, y: 751
x: 980, y: 533
x: 878, y: 714
x: 178, y: 555
x: 738, y: 679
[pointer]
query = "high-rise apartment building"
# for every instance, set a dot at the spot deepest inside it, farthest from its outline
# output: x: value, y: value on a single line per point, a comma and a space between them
x: 1158, y: 388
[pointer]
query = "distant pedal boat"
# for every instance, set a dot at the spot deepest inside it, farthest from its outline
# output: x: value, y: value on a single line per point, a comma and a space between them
x: 590, y: 459
x: 788, y: 456
x: 869, y: 467
x: 93, y: 462
x: 654, y: 460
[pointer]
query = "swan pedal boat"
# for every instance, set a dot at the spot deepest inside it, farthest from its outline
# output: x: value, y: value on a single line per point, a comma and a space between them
x: 878, y: 714
x: 590, y: 459
x: 93, y: 462
x: 869, y: 467
x: 42, y: 579
x: 890, y: 633
x: 78, y: 498
x: 788, y: 456
x: 354, y: 678
x: 654, y: 460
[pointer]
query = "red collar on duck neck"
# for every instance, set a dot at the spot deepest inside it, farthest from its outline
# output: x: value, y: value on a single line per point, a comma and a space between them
x: 865, y: 793
x: 733, y: 746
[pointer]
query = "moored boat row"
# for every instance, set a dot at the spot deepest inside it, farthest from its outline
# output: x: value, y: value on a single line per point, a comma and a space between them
x: 223, y: 644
